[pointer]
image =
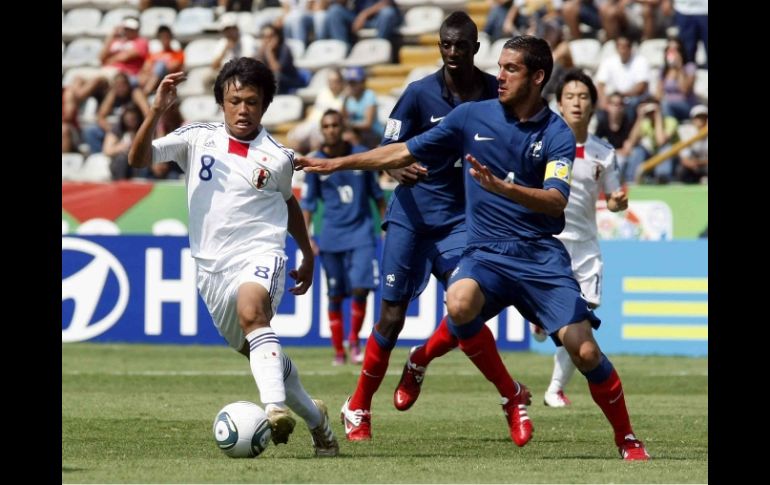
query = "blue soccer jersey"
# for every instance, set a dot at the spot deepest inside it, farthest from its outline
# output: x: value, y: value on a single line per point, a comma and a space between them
x: 437, y: 202
x: 347, y: 218
x: 537, y: 153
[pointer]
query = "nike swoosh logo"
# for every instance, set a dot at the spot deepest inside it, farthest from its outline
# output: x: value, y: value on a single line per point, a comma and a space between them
x: 436, y: 120
x: 612, y: 401
x: 482, y: 138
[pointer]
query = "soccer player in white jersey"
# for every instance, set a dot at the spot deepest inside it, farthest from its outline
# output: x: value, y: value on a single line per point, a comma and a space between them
x: 240, y: 207
x: 595, y: 170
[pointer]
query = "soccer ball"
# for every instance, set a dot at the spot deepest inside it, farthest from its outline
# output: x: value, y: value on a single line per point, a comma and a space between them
x: 241, y: 430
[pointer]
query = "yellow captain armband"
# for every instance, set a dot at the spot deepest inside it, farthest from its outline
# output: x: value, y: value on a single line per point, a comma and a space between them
x: 560, y: 169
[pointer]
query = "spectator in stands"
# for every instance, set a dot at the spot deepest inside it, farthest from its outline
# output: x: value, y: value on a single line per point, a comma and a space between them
x: 576, y: 12
x: 343, y: 23
x: 232, y: 45
x: 626, y: 73
x: 694, y: 159
x: 360, y: 110
x: 307, y: 135
x: 692, y: 20
x: 160, y: 63
x: 118, y: 141
x: 614, y: 125
x: 495, y: 18
x: 529, y: 17
x: 277, y: 56
x: 124, y: 51
x: 120, y: 94
x: 677, y: 79
x: 303, y: 17
x: 175, y: 4
x: 651, y: 134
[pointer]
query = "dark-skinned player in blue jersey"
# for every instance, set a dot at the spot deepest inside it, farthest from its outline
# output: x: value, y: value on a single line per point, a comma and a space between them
x: 517, y: 172
x: 346, y: 242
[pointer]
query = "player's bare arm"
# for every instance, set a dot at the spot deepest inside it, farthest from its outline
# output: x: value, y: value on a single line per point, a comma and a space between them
x: 549, y: 202
x: 394, y: 155
x: 617, y: 201
x: 140, y: 153
x: 409, y: 175
x: 303, y: 275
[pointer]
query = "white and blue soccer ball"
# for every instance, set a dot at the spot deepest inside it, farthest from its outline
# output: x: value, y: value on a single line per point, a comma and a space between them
x: 241, y: 430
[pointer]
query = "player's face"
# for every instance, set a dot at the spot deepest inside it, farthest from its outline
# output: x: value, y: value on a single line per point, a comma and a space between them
x: 457, y: 49
x: 331, y: 128
x: 243, y: 109
x: 575, y: 104
x: 515, y: 84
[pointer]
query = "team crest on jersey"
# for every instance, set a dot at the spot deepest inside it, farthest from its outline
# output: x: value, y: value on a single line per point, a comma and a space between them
x: 393, y: 129
x: 260, y: 177
x: 536, y: 149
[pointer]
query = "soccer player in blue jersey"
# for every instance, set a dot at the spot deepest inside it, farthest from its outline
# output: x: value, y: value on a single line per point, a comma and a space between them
x: 346, y: 243
x: 515, y: 203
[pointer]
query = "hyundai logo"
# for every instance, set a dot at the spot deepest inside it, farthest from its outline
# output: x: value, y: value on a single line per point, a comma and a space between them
x: 86, y: 288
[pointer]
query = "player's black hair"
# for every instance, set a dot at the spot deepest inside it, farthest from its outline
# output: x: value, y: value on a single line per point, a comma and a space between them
x: 581, y: 77
x: 537, y: 54
x: 460, y: 21
x: 250, y: 72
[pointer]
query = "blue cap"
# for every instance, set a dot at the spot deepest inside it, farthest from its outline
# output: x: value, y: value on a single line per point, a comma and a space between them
x: 356, y: 74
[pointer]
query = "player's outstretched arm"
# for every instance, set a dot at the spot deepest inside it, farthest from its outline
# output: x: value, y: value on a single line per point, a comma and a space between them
x: 298, y: 230
x: 140, y: 152
x: 394, y: 155
x: 549, y: 202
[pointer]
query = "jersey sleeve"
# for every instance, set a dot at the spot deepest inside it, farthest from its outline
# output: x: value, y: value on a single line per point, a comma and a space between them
x: 310, y: 191
x: 174, y: 147
x: 404, y: 120
x: 611, y: 174
x: 560, y: 156
x: 284, y: 185
x: 442, y: 140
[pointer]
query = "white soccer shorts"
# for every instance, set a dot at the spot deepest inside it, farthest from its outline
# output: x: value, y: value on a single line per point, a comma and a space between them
x: 587, y: 267
x: 220, y: 291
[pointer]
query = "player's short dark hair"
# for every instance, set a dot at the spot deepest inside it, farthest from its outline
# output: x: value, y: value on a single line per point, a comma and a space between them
x: 581, y: 77
x: 460, y: 21
x: 250, y: 72
x: 537, y: 54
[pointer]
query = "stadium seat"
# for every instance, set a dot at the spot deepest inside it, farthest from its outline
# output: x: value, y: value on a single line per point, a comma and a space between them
x: 87, y: 113
x: 653, y: 50
x: 70, y: 165
x: 111, y: 19
x: 297, y: 48
x: 192, y: 21
x: 86, y: 72
x: 422, y: 20
x: 284, y: 108
x: 492, y: 56
x: 608, y: 50
x: 266, y: 15
x: 484, y: 46
x: 585, y: 53
x: 156, y: 46
x: 654, y: 80
x: 200, y: 52
x: 316, y: 84
x: 200, y: 108
x: 701, y: 87
x: 700, y: 54
x: 405, y: 5
x: 449, y: 6
x: 96, y: 168
x: 195, y: 84
x: 418, y: 72
x: 322, y: 53
x: 78, y: 21
x: 154, y: 17
x: 369, y: 52
x: 82, y: 52
x: 68, y: 5
x: 385, y: 105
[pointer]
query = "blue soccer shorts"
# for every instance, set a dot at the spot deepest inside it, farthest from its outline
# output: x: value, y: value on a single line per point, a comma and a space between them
x: 348, y: 270
x: 535, y: 276
x: 409, y: 258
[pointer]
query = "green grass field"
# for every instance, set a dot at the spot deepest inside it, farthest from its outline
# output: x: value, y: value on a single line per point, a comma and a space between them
x: 143, y: 414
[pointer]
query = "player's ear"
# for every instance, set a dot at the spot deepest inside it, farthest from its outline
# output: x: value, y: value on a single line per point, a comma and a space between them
x: 538, y: 77
x: 476, y: 47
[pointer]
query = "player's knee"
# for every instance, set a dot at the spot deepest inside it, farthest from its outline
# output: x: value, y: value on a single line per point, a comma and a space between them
x: 254, y: 317
x: 587, y: 356
x: 390, y: 325
x: 460, y: 309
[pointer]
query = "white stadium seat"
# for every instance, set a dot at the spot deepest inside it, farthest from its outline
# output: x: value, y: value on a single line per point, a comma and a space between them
x: 653, y: 50
x: 316, y: 84
x: 701, y: 87
x: 200, y: 52
x: 200, y: 108
x: 154, y: 17
x: 422, y: 20
x: 111, y: 19
x: 82, y: 52
x: 284, y: 108
x: 416, y: 73
x: 192, y: 21
x: 70, y: 165
x: 78, y: 21
x: 322, y: 53
x: 369, y: 52
x: 585, y: 53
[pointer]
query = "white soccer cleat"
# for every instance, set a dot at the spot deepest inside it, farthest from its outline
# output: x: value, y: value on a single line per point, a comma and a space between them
x: 556, y: 399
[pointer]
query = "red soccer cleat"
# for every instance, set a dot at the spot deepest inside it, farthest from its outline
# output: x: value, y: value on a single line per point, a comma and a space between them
x: 516, y: 415
x: 408, y: 389
x: 357, y: 422
x: 632, y: 449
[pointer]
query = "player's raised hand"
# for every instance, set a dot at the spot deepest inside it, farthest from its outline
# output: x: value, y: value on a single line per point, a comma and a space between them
x: 618, y: 201
x: 484, y: 177
x: 166, y: 96
x: 315, y: 165
x: 408, y: 175
x: 303, y: 276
